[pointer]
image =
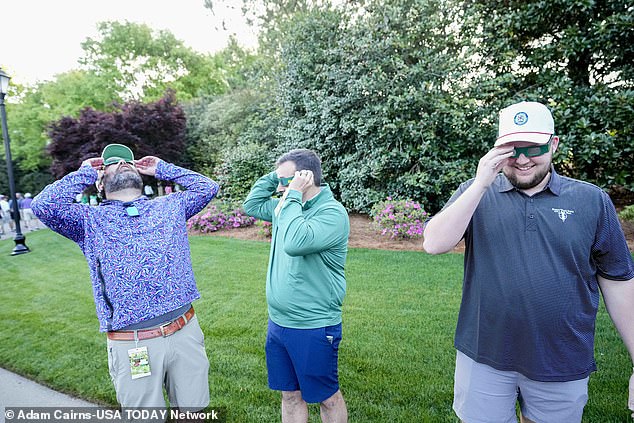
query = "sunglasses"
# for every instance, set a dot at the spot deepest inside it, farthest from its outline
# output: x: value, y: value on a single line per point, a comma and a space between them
x: 285, y: 181
x: 532, y: 151
x: 115, y: 160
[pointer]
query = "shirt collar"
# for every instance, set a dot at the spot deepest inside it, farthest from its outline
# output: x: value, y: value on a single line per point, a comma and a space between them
x: 554, y: 184
x: 125, y: 204
x: 323, y: 193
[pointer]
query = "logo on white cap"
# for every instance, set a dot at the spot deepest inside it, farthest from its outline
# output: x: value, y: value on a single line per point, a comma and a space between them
x: 520, y: 118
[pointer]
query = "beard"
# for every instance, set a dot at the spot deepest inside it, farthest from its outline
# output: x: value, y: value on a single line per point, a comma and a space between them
x: 122, y: 180
x: 532, y: 183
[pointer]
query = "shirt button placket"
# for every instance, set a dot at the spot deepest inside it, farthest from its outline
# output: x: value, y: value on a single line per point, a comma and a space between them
x: 531, y: 221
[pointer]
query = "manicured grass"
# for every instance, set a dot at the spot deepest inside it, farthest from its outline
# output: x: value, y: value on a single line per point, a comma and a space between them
x: 396, y: 358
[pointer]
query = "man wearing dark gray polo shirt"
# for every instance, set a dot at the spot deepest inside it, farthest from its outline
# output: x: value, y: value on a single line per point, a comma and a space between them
x: 539, y: 248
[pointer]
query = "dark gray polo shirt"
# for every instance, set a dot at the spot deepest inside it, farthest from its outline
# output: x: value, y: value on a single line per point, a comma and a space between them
x: 530, y: 292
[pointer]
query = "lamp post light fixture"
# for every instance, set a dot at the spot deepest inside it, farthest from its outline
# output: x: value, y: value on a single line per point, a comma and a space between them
x: 20, y: 240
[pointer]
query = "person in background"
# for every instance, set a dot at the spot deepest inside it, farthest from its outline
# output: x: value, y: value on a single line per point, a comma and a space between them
x: 539, y: 249
x: 148, y: 191
x: 5, y: 215
x: 30, y: 221
x: 19, y: 197
x: 139, y: 259
x: 305, y: 285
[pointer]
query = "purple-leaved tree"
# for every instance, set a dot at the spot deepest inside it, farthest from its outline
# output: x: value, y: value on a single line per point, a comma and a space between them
x: 156, y: 129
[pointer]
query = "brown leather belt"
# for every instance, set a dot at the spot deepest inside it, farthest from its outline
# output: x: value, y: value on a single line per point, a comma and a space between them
x: 164, y: 330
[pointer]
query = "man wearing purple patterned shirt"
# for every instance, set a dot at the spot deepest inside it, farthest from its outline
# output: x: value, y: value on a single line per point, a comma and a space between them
x: 140, y: 266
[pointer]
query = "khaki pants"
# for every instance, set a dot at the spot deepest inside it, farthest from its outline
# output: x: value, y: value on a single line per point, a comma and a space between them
x: 178, y: 362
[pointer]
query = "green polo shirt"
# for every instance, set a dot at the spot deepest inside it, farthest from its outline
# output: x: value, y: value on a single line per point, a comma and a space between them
x: 305, y: 284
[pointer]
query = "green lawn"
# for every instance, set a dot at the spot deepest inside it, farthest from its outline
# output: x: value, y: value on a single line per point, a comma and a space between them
x: 396, y: 358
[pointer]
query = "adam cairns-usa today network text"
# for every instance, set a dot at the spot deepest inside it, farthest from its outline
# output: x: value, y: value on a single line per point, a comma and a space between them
x: 107, y: 415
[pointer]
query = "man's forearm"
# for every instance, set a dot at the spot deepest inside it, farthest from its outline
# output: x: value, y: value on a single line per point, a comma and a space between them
x: 54, y: 205
x: 619, y: 302
x: 446, y: 229
x: 64, y: 191
x: 188, y: 179
x: 259, y: 203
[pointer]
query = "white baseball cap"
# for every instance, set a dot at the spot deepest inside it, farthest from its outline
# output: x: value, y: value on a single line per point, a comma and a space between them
x: 527, y: 121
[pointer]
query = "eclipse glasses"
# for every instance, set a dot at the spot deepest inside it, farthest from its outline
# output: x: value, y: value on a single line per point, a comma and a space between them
x: 532, y: 151
x: 285, y: 181
x: 115, y: 160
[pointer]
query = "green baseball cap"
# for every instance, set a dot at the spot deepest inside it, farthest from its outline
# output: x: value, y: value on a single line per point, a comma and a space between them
x: 114, y: 153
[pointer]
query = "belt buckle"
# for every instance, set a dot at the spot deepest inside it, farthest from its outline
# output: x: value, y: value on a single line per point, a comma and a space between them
x: 162, y: 328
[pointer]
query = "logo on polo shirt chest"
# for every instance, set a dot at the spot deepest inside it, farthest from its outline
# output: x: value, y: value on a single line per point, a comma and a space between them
x: 563, y: 213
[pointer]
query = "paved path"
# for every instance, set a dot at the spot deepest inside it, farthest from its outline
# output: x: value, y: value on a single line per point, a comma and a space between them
x: 9, y: 234
x: 16, y: 391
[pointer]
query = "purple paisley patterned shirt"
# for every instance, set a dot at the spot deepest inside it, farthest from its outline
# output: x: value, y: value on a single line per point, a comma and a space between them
x: 140, y: 266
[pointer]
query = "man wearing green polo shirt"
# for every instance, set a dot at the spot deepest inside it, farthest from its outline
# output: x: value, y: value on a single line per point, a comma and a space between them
x: 305, y: 284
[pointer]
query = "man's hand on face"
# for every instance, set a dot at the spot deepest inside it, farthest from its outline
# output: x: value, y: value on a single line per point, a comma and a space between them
x: 147, y: 165
x: 491, y: 164
x: 95, y: 162
x: 302, y: 181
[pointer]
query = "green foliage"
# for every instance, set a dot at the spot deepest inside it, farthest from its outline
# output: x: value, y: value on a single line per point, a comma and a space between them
x: 401, y: 97
x: 241, y: 167
x: 75, y: 90
x: 33, y: 181
x: 215, y: 125
x: 576, y: 57
x: 139, y: 63
x: 597, y: 129
x: 627, y: 213
x: 30, y: 164
x: 377, y: 96
x: 25, y: 181
x: 399, y: 218
x: 245, y: 114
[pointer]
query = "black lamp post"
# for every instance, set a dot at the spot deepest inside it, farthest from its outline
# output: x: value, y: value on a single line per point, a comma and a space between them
x: 20, y: 246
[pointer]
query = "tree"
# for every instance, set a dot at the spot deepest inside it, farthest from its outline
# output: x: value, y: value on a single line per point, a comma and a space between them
x: 139, y: 63
x: 577, y: 57
x: 215, y: 125
x: 221, y: 128
x: 69, y: 93
x: 31, y: 181
x: 149, y: 129
x: 376, y: 94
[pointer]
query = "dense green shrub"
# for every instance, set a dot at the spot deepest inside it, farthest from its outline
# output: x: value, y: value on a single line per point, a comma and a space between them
x: 379, y: 98
x: 216, y: 125
x: 240, y: 168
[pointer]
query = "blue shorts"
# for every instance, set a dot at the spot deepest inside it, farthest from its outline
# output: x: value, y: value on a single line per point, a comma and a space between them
x: 303, y: 360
